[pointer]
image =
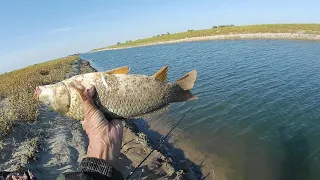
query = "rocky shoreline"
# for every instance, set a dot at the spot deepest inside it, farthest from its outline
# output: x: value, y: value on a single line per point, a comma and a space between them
x: 285, y: 36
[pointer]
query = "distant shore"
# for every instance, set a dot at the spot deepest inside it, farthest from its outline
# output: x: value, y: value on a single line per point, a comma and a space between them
x: 289, y: 36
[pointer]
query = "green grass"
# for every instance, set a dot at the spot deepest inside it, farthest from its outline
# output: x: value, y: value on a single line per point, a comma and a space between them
x: 18, y: 88
x: 225, y: 30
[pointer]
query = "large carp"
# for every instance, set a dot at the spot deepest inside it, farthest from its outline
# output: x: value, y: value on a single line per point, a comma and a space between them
x: 118, y: 94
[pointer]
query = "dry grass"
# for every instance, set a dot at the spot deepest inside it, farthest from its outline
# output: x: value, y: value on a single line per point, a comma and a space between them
x: 2, y: 145
x: 224, y: 30
x: 5, y: 122
x: 142, y: 139
x: 18, y: 87
x: 27, y: 151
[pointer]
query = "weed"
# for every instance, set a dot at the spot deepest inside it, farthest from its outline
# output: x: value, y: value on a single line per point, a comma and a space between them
x: 2, y: 145
x: 27, y: 151
x: 5, y: 121
x: 142, y: 139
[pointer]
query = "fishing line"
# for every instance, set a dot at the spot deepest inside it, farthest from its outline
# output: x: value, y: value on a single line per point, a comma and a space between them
x: 160, y: 143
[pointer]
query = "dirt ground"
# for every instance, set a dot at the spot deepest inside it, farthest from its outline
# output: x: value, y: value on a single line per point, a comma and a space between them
x: 62, y: 144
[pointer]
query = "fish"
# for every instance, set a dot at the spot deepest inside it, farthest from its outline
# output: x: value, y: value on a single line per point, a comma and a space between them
x: 119, y: 95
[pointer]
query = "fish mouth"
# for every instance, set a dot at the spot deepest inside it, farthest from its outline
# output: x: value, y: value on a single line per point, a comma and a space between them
x: 37, y: 93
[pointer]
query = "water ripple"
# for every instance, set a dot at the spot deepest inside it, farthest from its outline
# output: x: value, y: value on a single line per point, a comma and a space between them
x: 253, y: 95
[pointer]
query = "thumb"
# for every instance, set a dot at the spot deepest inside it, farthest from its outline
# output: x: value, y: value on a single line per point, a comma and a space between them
x: 89, y: 93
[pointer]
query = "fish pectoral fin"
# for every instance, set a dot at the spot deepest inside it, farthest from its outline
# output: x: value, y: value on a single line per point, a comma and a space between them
x: 162, y: 74
x: 120, y: 70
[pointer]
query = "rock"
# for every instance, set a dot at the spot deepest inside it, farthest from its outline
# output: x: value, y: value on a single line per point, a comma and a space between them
x: 85, y: 63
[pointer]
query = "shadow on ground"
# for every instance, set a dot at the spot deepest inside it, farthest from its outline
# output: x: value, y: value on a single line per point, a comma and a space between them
x: 177, y: 156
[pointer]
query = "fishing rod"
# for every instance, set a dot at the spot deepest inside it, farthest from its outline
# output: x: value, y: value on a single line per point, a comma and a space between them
x: 160, y: 143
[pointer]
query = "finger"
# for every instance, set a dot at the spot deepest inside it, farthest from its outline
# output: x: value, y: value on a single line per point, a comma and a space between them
x: 79, y: 88
x: 90, y: 91
x: 9, y: 177
x: 26, y: 175
x: 116, y: 130
x: 117, y: 123
x: 30, y: 174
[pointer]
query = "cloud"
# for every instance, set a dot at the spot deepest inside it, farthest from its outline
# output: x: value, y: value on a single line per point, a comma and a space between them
x: 58, y: 30
x: 23, y: 37
x: 53, y: 31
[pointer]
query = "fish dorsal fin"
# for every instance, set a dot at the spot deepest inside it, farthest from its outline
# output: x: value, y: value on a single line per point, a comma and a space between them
x: 162, y: 74
x: 120, y: 70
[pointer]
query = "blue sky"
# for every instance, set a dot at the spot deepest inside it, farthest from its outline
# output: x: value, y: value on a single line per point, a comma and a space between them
x: 33, y: 31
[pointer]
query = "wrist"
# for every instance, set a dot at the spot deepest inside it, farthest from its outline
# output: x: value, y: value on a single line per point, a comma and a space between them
x: 98, y: 148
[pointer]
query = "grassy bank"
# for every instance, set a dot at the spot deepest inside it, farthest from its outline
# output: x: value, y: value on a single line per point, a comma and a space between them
x: 17, y: 88
x: 222, y: 30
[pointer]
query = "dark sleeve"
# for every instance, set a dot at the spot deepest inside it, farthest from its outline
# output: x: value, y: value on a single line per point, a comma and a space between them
x: 93, y: 169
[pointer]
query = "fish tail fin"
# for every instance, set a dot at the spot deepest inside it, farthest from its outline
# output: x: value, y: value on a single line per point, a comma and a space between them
x: 187, y: 81
x: 181, y: 88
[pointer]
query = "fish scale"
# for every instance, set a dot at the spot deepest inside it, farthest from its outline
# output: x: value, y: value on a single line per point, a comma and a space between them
x: 125, y: 95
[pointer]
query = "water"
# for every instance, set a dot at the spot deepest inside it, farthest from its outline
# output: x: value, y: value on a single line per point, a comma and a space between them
x: 258, y: 116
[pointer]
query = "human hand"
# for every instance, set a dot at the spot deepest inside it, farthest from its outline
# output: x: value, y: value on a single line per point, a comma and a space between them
x: 105, y: 137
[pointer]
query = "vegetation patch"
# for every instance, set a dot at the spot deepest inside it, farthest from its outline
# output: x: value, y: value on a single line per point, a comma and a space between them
x: 223, y: 30
x: 5, y: 119
x: 2, y: 144
x: 26, y: 153
x: 17, y: 88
